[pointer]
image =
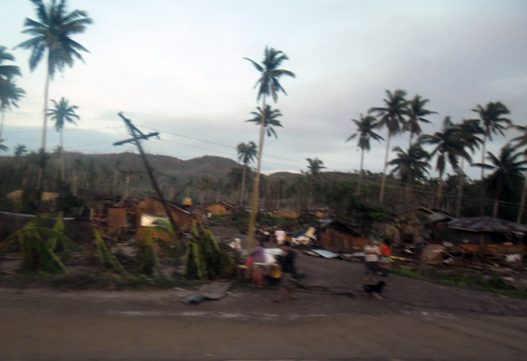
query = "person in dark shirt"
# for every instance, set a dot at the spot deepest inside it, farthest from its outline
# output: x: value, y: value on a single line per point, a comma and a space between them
x: 287, y: 264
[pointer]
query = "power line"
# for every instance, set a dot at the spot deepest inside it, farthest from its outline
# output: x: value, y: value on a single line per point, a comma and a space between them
x: 211, y: 142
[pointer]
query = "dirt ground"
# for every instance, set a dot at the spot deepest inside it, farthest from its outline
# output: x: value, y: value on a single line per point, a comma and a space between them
x: 332, y: 319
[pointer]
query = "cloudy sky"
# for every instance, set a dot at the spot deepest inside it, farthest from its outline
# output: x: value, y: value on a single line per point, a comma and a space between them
x: 178, y: 67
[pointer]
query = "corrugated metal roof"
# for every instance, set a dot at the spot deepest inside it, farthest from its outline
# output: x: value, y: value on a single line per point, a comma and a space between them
x: 486, y: 224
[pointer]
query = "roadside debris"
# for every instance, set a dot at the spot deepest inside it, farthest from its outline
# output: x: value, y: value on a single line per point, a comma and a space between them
x: 208, y: 292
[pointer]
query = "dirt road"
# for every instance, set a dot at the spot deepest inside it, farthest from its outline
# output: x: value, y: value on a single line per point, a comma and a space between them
x: 415, y: 321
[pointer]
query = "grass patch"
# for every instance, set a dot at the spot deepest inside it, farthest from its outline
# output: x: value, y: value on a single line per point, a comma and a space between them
x: 493, y: 282
x: 85, y: 280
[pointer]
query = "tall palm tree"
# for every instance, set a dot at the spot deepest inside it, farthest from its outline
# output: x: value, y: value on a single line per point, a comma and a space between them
x: 508, y: 168
x: 521, y: 142
x: 10, y: 93
x: 392, y: 116
x: 51, y: 36
x: 7, y: 71
x: 449, y: 147
x: 365, y: 131
x: 314, y: 166
x: 493, y: 121
x: 3, y: 147
x: 268, y: 118
x: 246, y: 155
x: 411, y: 165
x: 471, y: 135
x: 416, y: 113
x: 62, y: 113
x: 268, y: 86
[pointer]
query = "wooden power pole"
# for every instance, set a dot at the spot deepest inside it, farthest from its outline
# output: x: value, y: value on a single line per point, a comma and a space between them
x: 137, y: 136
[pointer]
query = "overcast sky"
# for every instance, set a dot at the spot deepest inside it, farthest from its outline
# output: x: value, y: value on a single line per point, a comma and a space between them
x: 178, y: 67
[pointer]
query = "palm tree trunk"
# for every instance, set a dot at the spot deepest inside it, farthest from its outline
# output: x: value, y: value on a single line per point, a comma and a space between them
x: 255, y: 196
x: 497, y: 200
x: 2, y: 123
x: 410, y: 141
x: 361, y: 171
x: 44, y: 132
x: 383, y: 182
x: 61, y: 156
x: 439, y: 191
x: 461, y: 175
x: 522, y: 201
x: 242, y: 190
x: 481, y: 191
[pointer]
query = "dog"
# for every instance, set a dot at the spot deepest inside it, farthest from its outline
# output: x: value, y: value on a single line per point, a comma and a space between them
x: 374, y: 289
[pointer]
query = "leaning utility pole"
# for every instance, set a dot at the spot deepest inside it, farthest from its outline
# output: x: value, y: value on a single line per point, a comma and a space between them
x: 137, y: 135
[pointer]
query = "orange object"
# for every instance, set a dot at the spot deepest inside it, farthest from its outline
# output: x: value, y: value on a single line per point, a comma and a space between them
x: 386, y: 251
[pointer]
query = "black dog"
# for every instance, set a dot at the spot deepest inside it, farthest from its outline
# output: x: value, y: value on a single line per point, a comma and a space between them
x: 373, y: 289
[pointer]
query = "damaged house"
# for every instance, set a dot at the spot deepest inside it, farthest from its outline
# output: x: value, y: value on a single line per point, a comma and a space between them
x: 150, y: 210
x: 338, y: 236
x: 488, y: 237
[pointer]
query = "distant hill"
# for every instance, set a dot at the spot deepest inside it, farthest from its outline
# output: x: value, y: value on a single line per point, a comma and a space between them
x: 171, y: 167
x: 105, y: 173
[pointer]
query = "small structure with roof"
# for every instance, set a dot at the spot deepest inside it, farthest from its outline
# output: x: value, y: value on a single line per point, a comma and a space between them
x: 486, y: 236
x: 339, y: 236
x: 150, y: 210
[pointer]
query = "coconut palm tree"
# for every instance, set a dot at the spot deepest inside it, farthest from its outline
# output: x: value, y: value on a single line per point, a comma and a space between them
x: 416, y: 114
x: 314, y: 166
x: 471, y: 135
x: 7, y: 71
x: 365, y: 131
x: 62, y: 113
x: 246, y: 155
x: 20, y: 150
x: 449, y: 147
x: 507, y: 169
x: 51, y: 36
x: 411, y: 165
x: 392, y: 116
x: 268, y: 86
x: 521, y: 142
x: 3, y: 147
x: 268, y: 117
x: 10, y: 93
x: 493, y: 121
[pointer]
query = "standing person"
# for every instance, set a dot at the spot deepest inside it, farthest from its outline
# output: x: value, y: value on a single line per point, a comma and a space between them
x: 371, y: 259
x: 287, y: 263
x: 257, y: 269
x: 280, y: 236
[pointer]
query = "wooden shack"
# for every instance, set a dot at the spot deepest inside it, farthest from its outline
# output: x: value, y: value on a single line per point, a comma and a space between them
x: 151, y: 209
x: 338, y: 236
x: 489, y: 237
x: 422, y: 224
x: 117, y: 221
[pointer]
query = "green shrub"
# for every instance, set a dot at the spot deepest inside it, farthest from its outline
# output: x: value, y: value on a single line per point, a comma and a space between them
x: 104, y: 255
x: 38, y: 245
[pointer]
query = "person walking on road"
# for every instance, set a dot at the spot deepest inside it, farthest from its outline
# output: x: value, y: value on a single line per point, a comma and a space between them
x: 371, y: 259
x: 287, y: 263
